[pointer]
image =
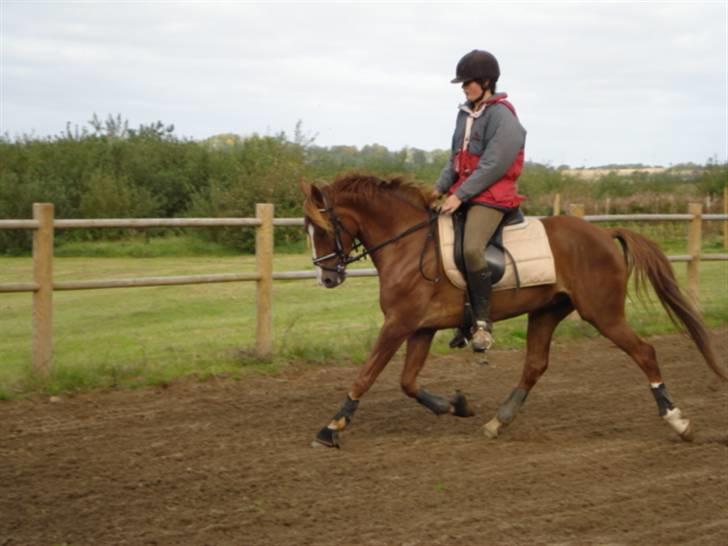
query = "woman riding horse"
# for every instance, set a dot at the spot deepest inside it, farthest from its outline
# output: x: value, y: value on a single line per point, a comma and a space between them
x: 480, y: 177
x: 393, y: 221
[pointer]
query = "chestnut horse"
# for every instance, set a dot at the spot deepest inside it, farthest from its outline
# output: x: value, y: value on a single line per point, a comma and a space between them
x: 394, y: 223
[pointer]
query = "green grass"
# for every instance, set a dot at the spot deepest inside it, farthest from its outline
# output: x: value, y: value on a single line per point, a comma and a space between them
x: 105, y: 338
x: 151, y: 336
x: 143, y: 247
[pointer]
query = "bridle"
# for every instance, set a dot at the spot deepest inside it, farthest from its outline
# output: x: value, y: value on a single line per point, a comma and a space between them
x: 339, y: 252
x: 343, y: 259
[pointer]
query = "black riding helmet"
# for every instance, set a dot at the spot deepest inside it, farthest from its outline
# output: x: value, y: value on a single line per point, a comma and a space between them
x: 477, y: 65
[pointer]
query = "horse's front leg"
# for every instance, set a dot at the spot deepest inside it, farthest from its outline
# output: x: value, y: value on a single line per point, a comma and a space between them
x: 418, y: 347
x: 390, y: 338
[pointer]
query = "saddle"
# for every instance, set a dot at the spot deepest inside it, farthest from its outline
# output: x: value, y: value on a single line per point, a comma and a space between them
x: 518, y: 254
x: 495, y: 251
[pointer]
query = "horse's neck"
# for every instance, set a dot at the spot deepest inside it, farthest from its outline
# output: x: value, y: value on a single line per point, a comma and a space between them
x: 383, y: 219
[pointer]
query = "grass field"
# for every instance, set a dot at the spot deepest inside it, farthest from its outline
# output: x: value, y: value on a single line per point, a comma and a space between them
x: 141, y: 336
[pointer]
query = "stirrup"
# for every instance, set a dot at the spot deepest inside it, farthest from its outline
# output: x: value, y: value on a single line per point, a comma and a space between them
x: 482, y: 339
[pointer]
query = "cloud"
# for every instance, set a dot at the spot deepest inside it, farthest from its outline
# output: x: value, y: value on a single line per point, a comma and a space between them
x: 593, y: 83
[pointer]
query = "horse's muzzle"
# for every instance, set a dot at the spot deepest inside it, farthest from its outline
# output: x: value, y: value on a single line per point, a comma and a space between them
x: 332, y: 280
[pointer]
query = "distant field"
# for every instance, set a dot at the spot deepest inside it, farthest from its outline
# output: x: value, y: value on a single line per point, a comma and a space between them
x: 106, y: 338
x: 593, y: 174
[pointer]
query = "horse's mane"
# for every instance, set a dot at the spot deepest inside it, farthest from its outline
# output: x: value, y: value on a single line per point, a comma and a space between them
x: 366, y: 187
x: 357, y: 187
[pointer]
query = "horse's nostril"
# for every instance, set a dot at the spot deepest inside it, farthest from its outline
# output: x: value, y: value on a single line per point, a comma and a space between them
x: 328, y: 282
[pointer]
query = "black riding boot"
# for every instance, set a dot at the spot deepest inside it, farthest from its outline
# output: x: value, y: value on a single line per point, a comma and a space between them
x: 479, y: 287
x: 461, y: 338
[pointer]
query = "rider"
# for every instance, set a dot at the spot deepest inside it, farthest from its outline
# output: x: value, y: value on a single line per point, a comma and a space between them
x: 487, y: 158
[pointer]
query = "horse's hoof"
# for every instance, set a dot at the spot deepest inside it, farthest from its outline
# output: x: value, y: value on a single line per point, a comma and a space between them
x: 327, y: 437
x: 688, y: 435
x: 683, y: 427
x: 460, y: 406
x: 491, y: 428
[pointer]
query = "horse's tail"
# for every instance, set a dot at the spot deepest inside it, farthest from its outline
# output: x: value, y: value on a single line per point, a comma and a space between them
x: 649, y: 263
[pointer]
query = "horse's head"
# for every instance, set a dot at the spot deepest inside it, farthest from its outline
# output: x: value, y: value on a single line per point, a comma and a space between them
x: 332, y: 233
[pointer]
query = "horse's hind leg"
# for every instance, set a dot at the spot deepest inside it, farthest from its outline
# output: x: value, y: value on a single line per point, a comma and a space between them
x: 644, y: 355
x: 418, y: 346
x: 541, y: 326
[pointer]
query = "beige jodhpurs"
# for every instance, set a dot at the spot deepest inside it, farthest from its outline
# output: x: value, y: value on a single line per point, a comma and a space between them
x: 480, y: 224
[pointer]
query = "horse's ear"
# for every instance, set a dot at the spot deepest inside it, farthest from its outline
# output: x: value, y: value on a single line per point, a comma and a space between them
x: 305, y: 188
x: 311, y: 192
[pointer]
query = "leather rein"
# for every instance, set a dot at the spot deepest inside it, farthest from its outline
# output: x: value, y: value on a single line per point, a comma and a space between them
x: 344, y: 259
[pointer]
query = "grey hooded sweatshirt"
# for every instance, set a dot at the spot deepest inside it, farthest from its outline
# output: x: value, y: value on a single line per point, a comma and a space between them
x: 496, y: 136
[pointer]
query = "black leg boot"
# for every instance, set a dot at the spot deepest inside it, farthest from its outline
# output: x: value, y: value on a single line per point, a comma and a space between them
x: 479, y: 286
x: 462, y: 333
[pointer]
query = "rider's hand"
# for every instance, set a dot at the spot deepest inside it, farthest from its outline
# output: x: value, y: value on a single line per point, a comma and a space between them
x: 437, y: 200
x: 451, y: 204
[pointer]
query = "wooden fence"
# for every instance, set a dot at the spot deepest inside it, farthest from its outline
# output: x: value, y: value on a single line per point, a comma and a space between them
x: 44, y: 225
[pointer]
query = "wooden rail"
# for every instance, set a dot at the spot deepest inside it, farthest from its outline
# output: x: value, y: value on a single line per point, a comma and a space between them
x: 695, y: 217
x: 42, y: 287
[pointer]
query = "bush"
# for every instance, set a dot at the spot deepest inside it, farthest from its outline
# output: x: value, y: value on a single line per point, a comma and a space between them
x: 110, y: 170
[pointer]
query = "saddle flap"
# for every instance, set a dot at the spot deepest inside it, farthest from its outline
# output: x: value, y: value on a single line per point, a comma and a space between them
x: 526, y: 241
x: 494, y: 252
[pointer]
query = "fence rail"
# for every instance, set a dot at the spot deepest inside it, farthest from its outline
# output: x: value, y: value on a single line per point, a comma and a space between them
x: 44, y: 225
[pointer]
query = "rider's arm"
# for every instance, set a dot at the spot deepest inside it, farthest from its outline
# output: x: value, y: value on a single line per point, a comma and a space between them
x: 499, y: 153
x: 447, y: 177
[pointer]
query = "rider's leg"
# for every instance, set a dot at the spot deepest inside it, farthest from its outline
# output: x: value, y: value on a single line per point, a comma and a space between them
x: 461, y: 338
x: 480, y: 225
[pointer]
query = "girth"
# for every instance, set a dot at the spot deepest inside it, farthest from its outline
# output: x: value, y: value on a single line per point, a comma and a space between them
x: 495, y: 253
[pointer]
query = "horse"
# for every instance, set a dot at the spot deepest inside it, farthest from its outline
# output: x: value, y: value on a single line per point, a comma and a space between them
x: 393, y: 221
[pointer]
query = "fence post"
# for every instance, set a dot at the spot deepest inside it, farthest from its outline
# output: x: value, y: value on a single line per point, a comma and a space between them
x: 264, y: 268
x: 43, y: 297
x: 725, y: 222
x: 695, y: 233
x: 575, y: 209
x: 557, y: 205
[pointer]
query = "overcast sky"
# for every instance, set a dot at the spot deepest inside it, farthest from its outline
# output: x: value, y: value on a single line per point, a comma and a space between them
x: 593, y: 83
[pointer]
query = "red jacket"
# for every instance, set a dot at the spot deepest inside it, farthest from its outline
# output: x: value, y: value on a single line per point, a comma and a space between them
x: 474, y: 133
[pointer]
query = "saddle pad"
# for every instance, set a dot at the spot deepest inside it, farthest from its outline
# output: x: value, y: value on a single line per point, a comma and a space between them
x: 528, y: 244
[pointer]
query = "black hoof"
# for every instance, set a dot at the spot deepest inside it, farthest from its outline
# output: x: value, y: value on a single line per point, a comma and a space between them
x: 328, y: 437
x: 460, y: 405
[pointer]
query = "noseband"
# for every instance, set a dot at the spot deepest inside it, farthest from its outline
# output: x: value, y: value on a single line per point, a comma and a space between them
x: 344, y: 259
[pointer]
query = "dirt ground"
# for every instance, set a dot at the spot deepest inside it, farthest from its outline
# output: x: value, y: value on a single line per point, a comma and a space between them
x: 229, y: 462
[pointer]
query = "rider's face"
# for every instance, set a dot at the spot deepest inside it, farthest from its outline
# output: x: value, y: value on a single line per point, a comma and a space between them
x: 472, y: 90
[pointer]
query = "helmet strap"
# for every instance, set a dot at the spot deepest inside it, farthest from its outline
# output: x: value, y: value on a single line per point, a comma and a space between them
x: 482, y: 94
x: 484, y: 90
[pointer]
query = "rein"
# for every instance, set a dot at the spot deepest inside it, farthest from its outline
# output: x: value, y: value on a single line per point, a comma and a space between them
x: 345, y: 260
